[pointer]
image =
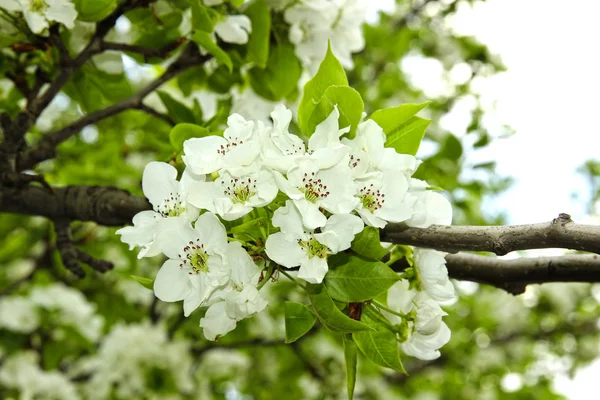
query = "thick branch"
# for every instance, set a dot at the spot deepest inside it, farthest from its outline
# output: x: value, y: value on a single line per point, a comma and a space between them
x: 46, y: 149
x: 104, y: 205
x: 514, y: 275
x: 560, y: 233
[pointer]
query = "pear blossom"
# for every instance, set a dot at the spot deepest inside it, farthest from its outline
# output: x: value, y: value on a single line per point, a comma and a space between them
x: 427, y: 333
x: 315, y: 22
x: 238, y: 300
x: 238, y: 147
x: 38, y: 13
x: 233, y: 196
x: 196, y: 264
x: 297, y: 244
x: 280, y: 148
x: 433, y: 274
x: 383, y: 198
x: 234, y: 29
x: 322, y: 177
x: 170, y: 207
x: 431, y: 208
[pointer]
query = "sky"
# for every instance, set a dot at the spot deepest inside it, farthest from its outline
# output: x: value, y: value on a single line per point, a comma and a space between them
x: 549, y: 95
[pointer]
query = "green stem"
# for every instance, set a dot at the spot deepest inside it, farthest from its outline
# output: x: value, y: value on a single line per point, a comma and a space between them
x: 267, y: 276
x: 373, y: 313
x: 385, y: 308
x: 292, y: 279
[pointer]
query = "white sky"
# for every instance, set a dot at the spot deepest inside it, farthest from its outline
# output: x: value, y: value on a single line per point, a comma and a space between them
x: 550, y: 95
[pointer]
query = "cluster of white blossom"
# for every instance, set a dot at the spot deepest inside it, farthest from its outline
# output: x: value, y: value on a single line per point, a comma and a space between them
x: 425, y: 332
x: 315, y: 22
x: 129, y: 360
x: 331, y: 186
x: 40, y: 13
x: 21, y: 372
x: 64, y: 305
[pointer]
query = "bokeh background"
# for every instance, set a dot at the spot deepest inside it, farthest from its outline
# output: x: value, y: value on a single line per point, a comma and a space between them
x: 513, y: 86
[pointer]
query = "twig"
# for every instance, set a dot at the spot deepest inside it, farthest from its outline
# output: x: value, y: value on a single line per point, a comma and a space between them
x: 153, y: 112
x: 562, y: 232
x: 101, y: 266
x: 47, y: 147
x: 65, y: 247
x: 145, y: 51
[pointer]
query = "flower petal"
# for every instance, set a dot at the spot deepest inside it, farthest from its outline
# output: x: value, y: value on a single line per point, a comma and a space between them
x: 211, y: 231
x: 172, y: 283
x: 313, y: 270
x: 159, y: 181
x: 289, y: 254
x: 216, y: 322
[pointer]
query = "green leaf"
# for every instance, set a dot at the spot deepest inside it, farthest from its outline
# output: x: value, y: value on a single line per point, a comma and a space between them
x: 258, y: 42
x: 330, y: 73
x: 390, y: 119
x: 355, y: 279
x: 407, y: 137
x: 178, y: 111
x: 350, y: 106
x: 145, y: 282
x: 204, y: 40
x: 351, y: 357
x: 329, y: 315
x: 201, y: 18
x: 380, y: 347
x: 368, y: 244
x: 281, y: 75
x: 250, y: 230
x: 298, y: 321
x: 184, y: 131
x: 7, y: 40
x: 94, y: 10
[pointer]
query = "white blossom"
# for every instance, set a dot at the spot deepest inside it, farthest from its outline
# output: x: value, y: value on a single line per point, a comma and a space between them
x: 169, y: 201
x: 234, y: 29
x: 238, y: 300
x: 315, y: 22
x: 431, y: 208
x: 427, y: 333
x: 18, y: 314
x: 233, y: 196
x: 38, y: 13
x: 433, y: 274
x: 298, y: 245
x: 280, y: 148
x: 196, y: 264
x: 22, y: 373
x: 237, y: 148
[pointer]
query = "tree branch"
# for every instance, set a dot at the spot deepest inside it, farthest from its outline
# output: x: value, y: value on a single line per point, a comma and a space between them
x: 46, y: 148
x: 562, y: 232
x: 144, y: 51
x: 153, y: 112
x: 104, y: 205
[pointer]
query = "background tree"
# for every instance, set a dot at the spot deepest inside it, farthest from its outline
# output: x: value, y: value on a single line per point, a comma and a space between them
x: 90, y: 97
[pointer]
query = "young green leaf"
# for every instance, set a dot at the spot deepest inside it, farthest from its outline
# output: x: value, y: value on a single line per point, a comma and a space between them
x: 381, y: 347
x: 281, y: 75
x: 330, y: 73
x: 355, y: 279
x: 299, y: 319
x: 182, y: 132
x: 329, y: 315
x: 406, y: 139
x: 351, y: 357
x: 148, y: 283
x: 258, y: 43
x: 389, y: 119
x: 204, y: 40
x: 350, y: 106
x: 178, y: 111
x: 368, y: 244
x: 94, y: 10
x: 201, y: 19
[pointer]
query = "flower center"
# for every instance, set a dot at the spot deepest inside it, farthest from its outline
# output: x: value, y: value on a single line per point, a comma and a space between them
x: 239, y: 190
x: 229, y: 146
x: 370, y: 198
x: 172, y: 206
x: 312, y: 188
x: 353, y: 162
x: 38, y: 6
x: 314, y: 248
x: 194, y: 257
